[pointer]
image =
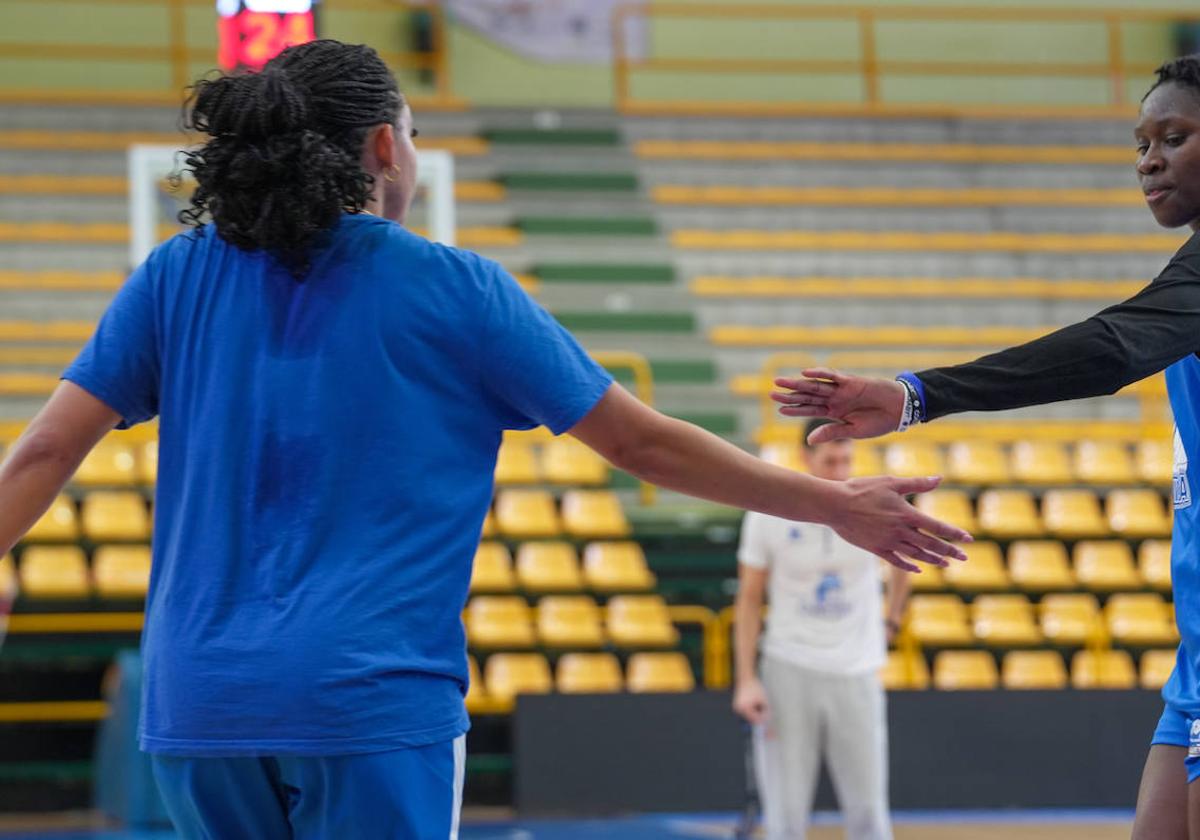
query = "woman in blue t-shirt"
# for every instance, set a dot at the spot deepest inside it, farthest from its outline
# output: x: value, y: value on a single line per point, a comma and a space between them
x: 332, y: 391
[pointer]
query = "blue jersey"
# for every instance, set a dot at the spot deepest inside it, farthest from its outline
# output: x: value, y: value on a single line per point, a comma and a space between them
x: 326, y: 459
x: 1182, y: 691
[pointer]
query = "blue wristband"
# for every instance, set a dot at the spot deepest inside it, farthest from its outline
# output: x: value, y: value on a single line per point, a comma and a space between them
x: 919, y: 387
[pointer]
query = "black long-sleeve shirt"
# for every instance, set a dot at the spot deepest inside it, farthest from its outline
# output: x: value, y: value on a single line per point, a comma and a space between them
x: 1124, y: 343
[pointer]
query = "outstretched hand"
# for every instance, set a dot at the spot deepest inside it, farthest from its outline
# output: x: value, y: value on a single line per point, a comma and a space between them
x: 874, y: 514
x: 864, y: 407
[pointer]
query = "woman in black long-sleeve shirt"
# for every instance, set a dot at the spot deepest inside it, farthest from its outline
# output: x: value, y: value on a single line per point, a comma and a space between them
x: 1156, y: 329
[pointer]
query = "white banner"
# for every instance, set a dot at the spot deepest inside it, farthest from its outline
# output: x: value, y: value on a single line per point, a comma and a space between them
x: 578, y: 31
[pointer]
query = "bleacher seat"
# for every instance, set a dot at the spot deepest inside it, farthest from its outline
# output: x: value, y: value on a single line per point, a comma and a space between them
x: 951, y: 506
x: 1140, y: 619
x: 111, y: 463
x: 983, y: 570
x: 1005, y: 621
x: 589, y: 673
x: 568, y: 462
x: 489, y: 530
x: 54, y: 572
x: 1105, y: 566
x: 904, y: 672
x: 1157, y: 666
x: 1137, y: 513
x: 931, y: 579
x: 913, y: 459
x: 939, y: 620
x: 8, y: 578
x: 516, y: 464
x: 507, y: 675
x: 1069, y: 619
x: 965, y: 670
x: 1155, y: 461
x: 548, y: 567
x: 977, y: 462
x: 1103, y: 462
x: 1154, y: 564
x: 59, y: 524
x: 1008, y: 513
x: 1073, y: 514
x: 1041, y: 462
x: 640, y: 621
x: 1111, y: 669
x: 476, y: 697
x: 658, y: 673
x: 1040, y: 566
x: 1033, y: 670
x: 148, y: 463
x: 115, y: 516
x: 526, y: 514
x: 569, y: 621
x: 122, y: 571
x: 499, y: 621
x: 594, y: 515
x: 492, y: 570
x: 617, y: 567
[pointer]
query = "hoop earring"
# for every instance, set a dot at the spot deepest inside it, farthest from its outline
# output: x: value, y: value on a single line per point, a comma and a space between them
x: 392, y: 173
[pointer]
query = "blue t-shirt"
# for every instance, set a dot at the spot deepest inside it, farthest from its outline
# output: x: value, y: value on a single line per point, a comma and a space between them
x: 326, y: 460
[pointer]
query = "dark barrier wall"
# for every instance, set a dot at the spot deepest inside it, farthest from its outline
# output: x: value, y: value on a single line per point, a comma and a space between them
x: 994, y: 749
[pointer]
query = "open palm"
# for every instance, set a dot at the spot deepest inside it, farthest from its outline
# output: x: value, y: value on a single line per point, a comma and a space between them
x: 864, y: 407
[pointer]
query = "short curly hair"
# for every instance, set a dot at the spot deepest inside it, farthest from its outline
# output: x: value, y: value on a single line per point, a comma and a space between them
x: 1184, y: 71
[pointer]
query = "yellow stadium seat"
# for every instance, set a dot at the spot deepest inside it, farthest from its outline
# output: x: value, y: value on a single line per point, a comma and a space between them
x: 507, y: 675
x: 548, y: 567
x: 1111, y: 669
x: 930, y: 579
x: 650, y: 673
x: 939, y: 620
x: 115, y: 516
x: 569, y: 621
x: 952, y: 506
x: 964, y: 670
x: 1104, y: 462
x: 1105, y: 566
x: 594, y: 514
x: 913, y: 459
x: 904, y: 672
x: 499, y: 621
x: 866, y: 460
x: 1069, y: 619
x: 1155, y: 461
x: 1008, y: 513
x: 526, y: 514
x: 1005, y: 621
x: 636, y: 621
x: 476, y: 695
x: 148, y: 463
x: 1138, y: 513
x: 492, y: 570
x: 977, y: 462
x: 8, y: 579
x: 110, y: 463
x: 1073, y: 514
x: 1140, y: 619
x: 1040, y: 566
x: 489, y: 531
x: 54, y: 572
x: 59, y: 524
x: 1033, y: 670
x: 1154, y: 564
x: 1157, y: 666
x: 1041, y: 462
x: 617, y: 567
x: 567, y: 461
x: 589, y: 673
x: 122, y: 571
x: 983, y: 570
x: 516, y: 464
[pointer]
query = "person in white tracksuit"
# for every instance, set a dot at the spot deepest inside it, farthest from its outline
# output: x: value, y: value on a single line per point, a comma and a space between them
x: 818, y: 695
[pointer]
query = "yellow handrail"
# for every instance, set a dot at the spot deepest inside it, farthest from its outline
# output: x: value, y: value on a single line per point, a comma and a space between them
x: 643, y: 383
x: 713, y: 641
x: 873, y: 68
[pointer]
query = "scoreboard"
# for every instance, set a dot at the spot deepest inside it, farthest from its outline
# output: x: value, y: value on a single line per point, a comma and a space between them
x: 252, y: 32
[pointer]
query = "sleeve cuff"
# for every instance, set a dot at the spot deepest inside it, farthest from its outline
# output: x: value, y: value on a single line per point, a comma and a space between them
x: 918, y: 386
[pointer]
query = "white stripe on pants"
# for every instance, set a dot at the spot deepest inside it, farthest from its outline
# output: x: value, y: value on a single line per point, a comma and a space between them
x: 814, y: 714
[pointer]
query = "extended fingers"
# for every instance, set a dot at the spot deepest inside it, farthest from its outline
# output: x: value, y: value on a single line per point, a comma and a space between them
x: 934, y: 545
x: 917, y: 553
x: 937, y: 528
x: 899, y: 562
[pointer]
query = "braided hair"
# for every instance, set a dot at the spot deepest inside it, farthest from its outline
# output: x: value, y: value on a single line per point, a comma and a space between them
x: 1183, y: 71
x: 284, y: 159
